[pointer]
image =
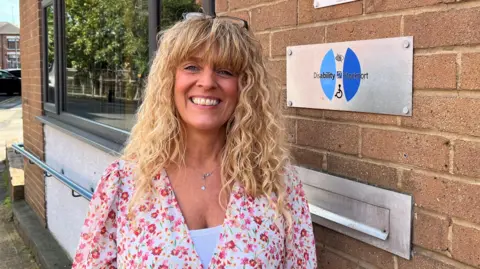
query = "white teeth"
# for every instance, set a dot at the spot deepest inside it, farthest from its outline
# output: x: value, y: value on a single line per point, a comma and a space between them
x: 205, y: 101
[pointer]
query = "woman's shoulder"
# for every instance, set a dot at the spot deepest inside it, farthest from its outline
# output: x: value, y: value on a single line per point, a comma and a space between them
x: 117, y: 175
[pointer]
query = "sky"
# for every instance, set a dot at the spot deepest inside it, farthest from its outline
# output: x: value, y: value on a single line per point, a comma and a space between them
x: 6, y: 11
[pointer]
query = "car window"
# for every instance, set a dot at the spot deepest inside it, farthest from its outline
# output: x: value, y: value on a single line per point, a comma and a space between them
x: 4, y: 74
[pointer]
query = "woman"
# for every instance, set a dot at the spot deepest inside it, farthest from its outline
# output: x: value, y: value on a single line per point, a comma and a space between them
x: 204, y: 181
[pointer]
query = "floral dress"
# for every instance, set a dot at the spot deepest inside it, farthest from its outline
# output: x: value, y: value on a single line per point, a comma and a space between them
x: 156, y: 235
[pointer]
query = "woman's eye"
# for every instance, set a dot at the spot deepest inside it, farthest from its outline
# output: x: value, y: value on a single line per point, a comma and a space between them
x: 225, y: 73
x: 191, y: 68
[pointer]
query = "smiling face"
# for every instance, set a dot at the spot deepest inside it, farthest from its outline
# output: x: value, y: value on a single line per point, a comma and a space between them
x: 205, y: 95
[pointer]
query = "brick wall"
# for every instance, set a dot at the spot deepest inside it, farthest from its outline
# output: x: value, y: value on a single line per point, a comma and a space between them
x: 433, y: 155
x: 30, y: 46
x: 3, y: 51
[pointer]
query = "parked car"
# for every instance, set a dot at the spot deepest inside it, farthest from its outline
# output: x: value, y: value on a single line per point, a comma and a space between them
x: 9, y: 83
x: 15, y: 71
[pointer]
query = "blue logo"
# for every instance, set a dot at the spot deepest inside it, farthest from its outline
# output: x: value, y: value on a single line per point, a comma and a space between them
x: 351, y: 75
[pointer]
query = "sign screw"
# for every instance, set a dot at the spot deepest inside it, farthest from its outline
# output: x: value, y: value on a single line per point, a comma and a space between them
x: 289, y: 103
x: 290, y: 52
x: 406, y: 44
x: 405, y: 110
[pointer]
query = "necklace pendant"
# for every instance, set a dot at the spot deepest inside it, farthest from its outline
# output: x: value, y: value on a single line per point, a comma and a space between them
x: 203, y: 188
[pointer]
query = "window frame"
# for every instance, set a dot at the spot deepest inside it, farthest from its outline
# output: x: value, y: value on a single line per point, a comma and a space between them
x: 56, y: 110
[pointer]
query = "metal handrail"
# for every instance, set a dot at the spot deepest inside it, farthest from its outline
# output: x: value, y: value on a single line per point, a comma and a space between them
x: 50, y: 171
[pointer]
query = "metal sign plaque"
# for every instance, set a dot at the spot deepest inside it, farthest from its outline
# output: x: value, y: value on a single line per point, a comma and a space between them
x: 372, y: 76
x: 326, y: 3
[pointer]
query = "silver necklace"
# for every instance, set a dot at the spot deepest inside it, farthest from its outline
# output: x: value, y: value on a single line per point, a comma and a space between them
x: 204, y: 178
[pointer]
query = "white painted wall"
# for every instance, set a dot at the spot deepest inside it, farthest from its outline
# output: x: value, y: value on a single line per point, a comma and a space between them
x: 81, y: 163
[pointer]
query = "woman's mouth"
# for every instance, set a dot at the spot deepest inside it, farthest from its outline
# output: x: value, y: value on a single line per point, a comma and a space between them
x: 202, y: 101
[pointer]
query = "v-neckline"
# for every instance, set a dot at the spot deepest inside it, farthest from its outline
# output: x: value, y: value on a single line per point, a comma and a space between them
x: 186, y: 230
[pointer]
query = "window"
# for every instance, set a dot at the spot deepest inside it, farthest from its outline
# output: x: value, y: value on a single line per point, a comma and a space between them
x: 96, y: 59
x: 49, y: 74
x: 13, y: 60
x: 12, y: 44
x: 106, y: 59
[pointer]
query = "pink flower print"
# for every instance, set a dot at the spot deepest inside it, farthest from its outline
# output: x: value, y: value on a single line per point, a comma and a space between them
x: 237, y: 195
x: 142, y: 208
x: 171, y: 217
x: 244, y: 261
x: 230, y: 244
x: 155, y: 214
x: 138, y: 231
x: 104, y: 230
x: 151, y: 228
x: 125, y: 196
x: 303, y: 233
x: 95, y: 254
x: 264, y: 237
x: 111, y: 214
x: 156, y: 251
x: 164, y: 192
x: 258, y: 220
x: 78, y: 257
x: 222, y: 254
x: 175, y: 252
x: 252, y: 263
x: 238, y: 236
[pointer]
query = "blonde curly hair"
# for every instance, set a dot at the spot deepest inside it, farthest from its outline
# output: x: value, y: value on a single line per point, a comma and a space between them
x: 255, y: 153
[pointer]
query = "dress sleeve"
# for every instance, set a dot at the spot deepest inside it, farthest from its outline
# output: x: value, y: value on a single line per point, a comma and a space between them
x: 97, y: 247
x: 300, y: 241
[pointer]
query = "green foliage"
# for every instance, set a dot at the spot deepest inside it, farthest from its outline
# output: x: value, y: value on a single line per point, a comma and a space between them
x: 113, y: 34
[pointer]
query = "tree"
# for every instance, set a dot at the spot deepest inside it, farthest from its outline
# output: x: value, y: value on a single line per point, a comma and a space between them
x: 110, y: 35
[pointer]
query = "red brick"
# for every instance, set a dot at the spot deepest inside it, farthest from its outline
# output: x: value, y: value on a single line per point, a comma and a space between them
x: 329, y: 260
x: 447, y: 114
x: 466, y: 244
x: 291, y: 125
x: 360, y: 117
x: 374, y: 174
x: 330, y: 136
x: 313, y: 113
x: 353, y: 247
x: 278, y: 15
x: 421, y: 262
x: 467, y: 159
x: 372, y: 6
x: 308, y: 158
x: 426, y: 151
x: 364, y: 29
x: 453, y: 198
x: 307, y: 13
x: 234, y: 4
x: 239, y: 14
x: 470, y: 76
x: 430, y: 231
x: 264, y: 40
x: 427, y: 70
x: 436, y: 29
x: 278, y: 69
x: 303, y: 36
x: 221, y: 5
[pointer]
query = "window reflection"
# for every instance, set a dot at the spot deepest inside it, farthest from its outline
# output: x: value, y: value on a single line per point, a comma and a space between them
x: 50, y: 54
x: 107, y: 59
x: 107, y: 56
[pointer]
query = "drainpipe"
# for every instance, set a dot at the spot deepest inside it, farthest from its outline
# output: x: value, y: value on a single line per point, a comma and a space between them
x: 209, y: 7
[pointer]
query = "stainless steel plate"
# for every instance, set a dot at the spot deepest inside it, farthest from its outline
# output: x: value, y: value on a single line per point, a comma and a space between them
x: 372, y: 76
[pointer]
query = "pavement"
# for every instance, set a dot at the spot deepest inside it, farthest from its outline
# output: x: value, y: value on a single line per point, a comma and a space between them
x: 13, y: 252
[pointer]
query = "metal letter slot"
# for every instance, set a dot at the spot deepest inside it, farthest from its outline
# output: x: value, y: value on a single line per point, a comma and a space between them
x: 376, y: 216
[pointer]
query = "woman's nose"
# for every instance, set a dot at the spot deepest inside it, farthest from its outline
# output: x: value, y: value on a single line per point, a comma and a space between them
x: 207, y: 79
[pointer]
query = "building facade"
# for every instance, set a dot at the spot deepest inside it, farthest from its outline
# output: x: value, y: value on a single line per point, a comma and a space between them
x: 9, y: 46
x: 79, y: 100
